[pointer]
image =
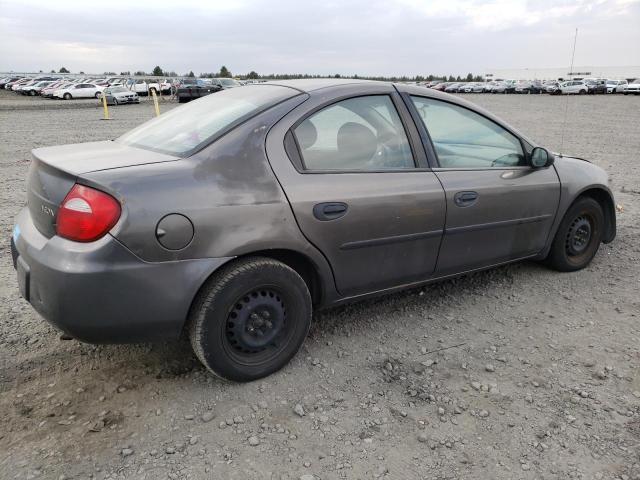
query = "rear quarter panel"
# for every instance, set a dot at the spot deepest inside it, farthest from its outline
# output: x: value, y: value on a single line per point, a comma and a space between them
x: 227, y: 190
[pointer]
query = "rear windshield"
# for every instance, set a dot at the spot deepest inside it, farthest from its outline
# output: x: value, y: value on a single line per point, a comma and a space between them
x: 187, y: 128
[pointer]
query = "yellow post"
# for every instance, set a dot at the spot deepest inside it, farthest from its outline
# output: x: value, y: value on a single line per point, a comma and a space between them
x: 104, y: 105
x: 155, y: 102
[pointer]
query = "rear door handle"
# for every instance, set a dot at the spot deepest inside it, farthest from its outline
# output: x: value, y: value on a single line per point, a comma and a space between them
x: 465, y: 199
x: 329, y: 210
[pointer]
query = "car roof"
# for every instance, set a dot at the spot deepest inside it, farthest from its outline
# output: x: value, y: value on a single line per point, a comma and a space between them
x: 311, y: 84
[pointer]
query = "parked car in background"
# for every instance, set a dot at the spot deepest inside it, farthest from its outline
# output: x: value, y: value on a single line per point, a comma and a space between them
x: 164, y: 232
x: 578, y: 87
x: 49, y: 90
x: 632, y: 88
x: 499, y: 87
x: 453, y: 88
x: 441, y: 86
x: 80, y: 90
x: 596, y: 86
x: 490, y: 86
x: 529, y: 87
x: 146, y: 86
x: 115, y: 80
x: 473, y: 87
x: 552, y: 88
x: 510, y: 86
x: 36, y: 88
x: 118, y: 95
x: 13, y: 86
x: 192, y: 88
x: 7, y: 80
x: 225, y: 83
x: 616, y: 86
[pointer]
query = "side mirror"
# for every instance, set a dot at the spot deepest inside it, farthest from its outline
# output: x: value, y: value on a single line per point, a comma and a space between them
x: 541, y: 157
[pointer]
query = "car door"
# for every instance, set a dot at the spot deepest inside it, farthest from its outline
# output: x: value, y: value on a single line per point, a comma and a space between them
x: 498, y: 207
x: 82, y: 90
x: 359, y: 187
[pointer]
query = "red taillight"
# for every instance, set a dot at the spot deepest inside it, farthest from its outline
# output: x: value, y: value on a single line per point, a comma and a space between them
x: 86, y: 214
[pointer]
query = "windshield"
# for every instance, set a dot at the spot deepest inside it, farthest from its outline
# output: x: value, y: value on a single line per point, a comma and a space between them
x: 228, y: 81
x: 189, y: 127
x: 118, y: 89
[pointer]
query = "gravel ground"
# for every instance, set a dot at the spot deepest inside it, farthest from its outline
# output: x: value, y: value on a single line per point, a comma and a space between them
x: 514, y: 373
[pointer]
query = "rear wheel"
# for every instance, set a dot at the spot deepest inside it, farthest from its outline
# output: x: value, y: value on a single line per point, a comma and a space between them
x: 250, y: 319
x: 67, y: 96
x: 578, y: 237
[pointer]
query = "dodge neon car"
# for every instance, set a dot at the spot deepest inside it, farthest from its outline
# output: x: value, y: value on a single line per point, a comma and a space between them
x: 232, y: 217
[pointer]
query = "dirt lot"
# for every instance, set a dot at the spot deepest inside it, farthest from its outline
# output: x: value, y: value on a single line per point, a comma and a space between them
x: 514, y: 373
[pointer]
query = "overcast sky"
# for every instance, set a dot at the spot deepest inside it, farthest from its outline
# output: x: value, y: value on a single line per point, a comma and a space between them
x: 366, y: 37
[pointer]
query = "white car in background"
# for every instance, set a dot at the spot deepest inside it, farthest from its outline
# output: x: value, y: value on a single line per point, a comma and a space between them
x: 144, y: 87
x: 632, y: 88
x: 51, y: 89
x: 616, y: 86
x: 573, y: 87
x: 80, y: 90
x: 472, y: 88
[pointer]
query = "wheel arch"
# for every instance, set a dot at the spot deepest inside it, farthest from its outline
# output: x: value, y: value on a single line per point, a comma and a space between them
x: 302, y: 264
x: 605, y: 199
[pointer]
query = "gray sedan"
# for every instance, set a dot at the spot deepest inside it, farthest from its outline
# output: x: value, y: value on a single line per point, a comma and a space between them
x: 231, y: 218
x: 120, y: 95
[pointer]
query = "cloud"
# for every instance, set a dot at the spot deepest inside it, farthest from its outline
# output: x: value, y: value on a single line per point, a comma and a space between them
x: 369, y: 37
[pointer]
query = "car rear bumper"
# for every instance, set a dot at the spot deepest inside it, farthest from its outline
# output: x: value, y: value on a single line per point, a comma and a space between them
x: 100, y: 292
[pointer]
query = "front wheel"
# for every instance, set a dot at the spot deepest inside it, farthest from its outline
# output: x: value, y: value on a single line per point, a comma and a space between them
x: 250, y: 319
x: 578, y: 237
x: 67, y: 96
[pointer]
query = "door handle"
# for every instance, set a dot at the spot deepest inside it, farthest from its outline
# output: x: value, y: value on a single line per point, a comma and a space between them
x: 465, y: 199
x: 329, y: 210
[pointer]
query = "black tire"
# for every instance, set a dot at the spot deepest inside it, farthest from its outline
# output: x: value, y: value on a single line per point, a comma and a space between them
x: 582, y: 92
x: 67, y: 96
x: 578, y: 237
x: 115, y: 101
x: 250, y: 319
x: 32, y: 93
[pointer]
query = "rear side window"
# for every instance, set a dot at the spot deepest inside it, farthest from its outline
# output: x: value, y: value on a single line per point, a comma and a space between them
x: 189, y: 127
x: 465, y: 139
x: 362, y: 133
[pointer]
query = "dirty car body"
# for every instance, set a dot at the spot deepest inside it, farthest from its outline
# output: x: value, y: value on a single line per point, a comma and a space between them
x: 321, y: 191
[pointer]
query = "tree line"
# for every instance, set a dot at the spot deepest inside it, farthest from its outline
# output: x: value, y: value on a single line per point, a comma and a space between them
x: 253, y: 75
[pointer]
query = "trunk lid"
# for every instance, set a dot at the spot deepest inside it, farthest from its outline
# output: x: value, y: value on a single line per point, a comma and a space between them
x: 54, y: 171
x: 82, y: 158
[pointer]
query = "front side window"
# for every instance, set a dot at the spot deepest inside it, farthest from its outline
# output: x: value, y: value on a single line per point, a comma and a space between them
x: 362, y: 133
x: 465, y: 139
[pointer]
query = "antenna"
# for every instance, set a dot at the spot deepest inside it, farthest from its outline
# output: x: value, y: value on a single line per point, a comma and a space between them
x: 566, y: 108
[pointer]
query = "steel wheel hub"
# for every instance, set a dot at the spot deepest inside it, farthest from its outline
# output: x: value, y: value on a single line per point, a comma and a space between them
x: 256, y: 321
x: 578, y: 236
